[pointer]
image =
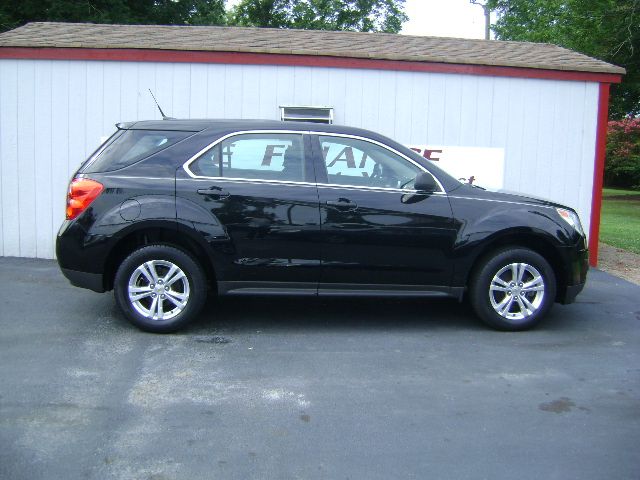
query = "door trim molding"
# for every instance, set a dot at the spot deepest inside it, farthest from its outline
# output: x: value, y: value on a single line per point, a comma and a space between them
x: 337, y: 289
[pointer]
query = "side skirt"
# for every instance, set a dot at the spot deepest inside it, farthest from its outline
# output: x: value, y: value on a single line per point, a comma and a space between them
x: 337, y: 289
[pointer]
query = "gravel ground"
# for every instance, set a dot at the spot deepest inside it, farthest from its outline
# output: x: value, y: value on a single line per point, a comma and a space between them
x: 281, y: 388
x: 620, y: 263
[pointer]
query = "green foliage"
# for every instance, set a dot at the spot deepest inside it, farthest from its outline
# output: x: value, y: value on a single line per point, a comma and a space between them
x: 159, y: 12
x: 207, y: 12
x: 622, y: 167
x: 604, y: 29
x: 358, y: 15
x: 355, y: 15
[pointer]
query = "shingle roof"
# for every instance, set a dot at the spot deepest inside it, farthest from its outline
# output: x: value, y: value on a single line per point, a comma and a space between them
x: 380, y: 46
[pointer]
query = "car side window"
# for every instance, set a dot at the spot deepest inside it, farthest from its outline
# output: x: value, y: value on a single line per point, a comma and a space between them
x: 354, y: 162
x: 256, y: 156
x: 129, y: 146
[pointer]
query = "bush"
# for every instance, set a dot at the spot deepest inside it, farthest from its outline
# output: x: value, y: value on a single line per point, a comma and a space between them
x: 622, y: 166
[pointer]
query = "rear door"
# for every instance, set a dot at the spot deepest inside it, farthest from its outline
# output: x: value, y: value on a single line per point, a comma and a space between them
x: 377, y: 231
x: 259, y: 189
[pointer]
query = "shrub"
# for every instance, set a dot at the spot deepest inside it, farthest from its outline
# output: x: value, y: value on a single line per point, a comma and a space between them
x: 622, y: 166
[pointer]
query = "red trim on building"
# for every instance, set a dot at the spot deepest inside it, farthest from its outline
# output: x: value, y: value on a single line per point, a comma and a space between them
x: 598, y: 172
x: 150, y: 55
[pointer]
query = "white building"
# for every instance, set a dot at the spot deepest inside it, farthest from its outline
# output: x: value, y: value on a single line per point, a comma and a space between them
x: 540, y: 109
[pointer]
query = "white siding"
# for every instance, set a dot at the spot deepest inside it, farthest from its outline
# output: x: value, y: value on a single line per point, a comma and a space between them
x: 54, y: 113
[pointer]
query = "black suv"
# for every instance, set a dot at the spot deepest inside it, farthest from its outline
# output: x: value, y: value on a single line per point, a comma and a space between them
x: 165, y: 211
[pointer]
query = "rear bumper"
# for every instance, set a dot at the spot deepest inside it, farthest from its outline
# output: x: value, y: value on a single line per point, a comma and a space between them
x: 81, y: 265
x: 92, y: 281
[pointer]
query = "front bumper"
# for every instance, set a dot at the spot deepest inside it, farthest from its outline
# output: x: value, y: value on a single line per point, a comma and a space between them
x: 571, y: 293
x: 578, y: 267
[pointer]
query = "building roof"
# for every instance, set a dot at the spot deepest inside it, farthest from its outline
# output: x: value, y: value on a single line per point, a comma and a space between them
x: 378, y: 46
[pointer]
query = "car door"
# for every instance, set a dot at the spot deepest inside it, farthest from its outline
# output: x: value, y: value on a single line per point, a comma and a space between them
x: 258, y: 195
x: 377, y: 231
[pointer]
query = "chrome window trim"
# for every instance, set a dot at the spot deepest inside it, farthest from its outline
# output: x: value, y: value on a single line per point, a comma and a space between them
x: 197, y: 155
x: 252, y: 180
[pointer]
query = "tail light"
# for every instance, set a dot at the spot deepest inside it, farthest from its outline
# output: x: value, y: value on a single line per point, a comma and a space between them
x: 82, y: 191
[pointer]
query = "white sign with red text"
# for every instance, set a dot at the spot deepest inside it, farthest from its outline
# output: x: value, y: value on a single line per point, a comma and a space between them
x: 482, y: 166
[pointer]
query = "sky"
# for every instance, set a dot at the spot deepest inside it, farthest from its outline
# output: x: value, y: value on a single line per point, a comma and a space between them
x: 444, y: 18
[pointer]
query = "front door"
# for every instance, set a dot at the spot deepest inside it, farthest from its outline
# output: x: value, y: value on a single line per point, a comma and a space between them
x: 376, y: 230
x: 258, y: 190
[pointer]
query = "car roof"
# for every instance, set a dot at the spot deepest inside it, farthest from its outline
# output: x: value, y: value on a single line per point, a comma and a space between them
x: 197, y: 125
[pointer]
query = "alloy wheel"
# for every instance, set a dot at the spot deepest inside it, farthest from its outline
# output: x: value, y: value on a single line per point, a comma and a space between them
x: 517, y: 291
x: 158, y: 290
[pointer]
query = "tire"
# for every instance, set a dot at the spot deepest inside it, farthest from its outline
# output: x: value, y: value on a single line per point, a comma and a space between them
x: 501, y: 301
x: 160, y: 288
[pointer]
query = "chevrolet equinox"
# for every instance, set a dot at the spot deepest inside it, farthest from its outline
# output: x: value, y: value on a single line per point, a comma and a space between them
x: 166, y: 211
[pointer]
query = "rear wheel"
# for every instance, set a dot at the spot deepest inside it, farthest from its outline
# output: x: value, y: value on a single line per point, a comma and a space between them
x: 513, y: 289
x: 160, y: 288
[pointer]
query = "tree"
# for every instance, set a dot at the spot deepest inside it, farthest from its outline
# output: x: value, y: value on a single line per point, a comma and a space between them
x: 355, y: 15
x: 358, y: 15
x: 604, y: 29
x: 208, y: 12
x: 159, y: 12
x: 623, y: 153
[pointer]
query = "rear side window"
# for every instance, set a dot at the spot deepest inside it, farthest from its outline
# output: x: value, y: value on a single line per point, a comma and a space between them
x: 257, y: 156
x: 132, y: 146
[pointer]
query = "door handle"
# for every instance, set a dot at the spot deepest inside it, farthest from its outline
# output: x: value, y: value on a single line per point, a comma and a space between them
x: 343, y: 204
x: 215, y: 192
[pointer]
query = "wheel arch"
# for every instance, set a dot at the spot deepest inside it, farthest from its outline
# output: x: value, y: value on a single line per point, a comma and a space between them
x: 536, y: 242
x: 150, y: 234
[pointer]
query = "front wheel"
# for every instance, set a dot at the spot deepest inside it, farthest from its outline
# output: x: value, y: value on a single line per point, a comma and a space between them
x: 513, y: 289
x: 160, y: 288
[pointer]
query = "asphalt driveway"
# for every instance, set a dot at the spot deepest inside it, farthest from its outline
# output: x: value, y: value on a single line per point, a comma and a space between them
x: 280, y: 388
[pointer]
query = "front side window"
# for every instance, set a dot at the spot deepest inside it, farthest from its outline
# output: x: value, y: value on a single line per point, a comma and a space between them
x: 356, y: 162
x: 256, y: 156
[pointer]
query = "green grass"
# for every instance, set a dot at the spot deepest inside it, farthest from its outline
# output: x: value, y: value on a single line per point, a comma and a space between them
x: 609, y: 192
x: 620, y: 221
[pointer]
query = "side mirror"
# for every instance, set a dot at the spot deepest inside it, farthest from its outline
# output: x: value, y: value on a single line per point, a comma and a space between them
x: 425, y: 182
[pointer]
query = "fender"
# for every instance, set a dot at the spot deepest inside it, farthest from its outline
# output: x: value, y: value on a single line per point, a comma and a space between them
x: 503, y: 225
x: 135, y: 209
x: 204, y: 227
